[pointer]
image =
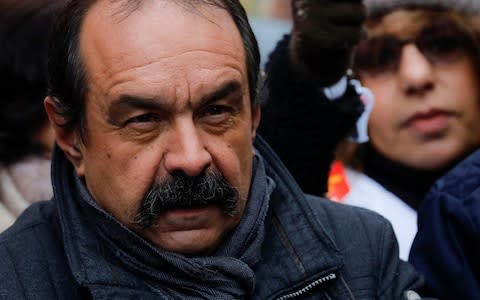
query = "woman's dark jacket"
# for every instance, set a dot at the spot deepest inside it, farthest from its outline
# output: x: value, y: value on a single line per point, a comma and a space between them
x: 313, y: 249
x: 447, y: 246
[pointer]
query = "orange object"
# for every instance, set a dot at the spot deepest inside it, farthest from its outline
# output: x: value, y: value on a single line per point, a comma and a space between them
x: 338, y: 186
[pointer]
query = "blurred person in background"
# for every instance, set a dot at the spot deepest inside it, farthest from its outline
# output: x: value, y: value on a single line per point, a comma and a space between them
x: 420, y: 60
x: 26, y: 138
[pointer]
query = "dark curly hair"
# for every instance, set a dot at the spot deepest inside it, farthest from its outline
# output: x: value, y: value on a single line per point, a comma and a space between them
x: 25, y: 26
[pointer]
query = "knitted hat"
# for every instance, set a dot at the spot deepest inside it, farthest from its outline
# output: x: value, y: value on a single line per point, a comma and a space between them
x: 381, y: 7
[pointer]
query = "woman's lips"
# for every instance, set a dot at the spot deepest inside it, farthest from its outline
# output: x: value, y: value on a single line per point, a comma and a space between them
x: 431, y: 122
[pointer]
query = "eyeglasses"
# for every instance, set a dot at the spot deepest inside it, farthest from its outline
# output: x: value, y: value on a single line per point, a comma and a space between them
x: 441, y: 42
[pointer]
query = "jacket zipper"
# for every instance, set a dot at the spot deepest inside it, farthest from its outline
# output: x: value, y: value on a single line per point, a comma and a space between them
x: 309, y: 286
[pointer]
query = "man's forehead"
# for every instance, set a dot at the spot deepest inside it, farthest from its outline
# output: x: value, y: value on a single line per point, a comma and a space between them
x: 130, y: 17
x: 158, y: 48
x: 118, y: 10
x: 160, y: 27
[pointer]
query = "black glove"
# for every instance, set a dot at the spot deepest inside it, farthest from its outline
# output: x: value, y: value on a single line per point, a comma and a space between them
x: 323, y: 36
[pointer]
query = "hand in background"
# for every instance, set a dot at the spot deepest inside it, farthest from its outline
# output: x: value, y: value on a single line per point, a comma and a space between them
x: 323, y: 36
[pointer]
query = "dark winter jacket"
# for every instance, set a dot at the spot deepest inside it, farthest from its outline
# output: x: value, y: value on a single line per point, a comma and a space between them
x: 313, y: 249
x: 447, y: 246
x: 301, y: 125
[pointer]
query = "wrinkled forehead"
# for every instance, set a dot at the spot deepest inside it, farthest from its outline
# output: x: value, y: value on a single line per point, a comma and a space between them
x: 157, y: 14
x: 114, y: 37
x: 401, y: 23
x: 123, y: 8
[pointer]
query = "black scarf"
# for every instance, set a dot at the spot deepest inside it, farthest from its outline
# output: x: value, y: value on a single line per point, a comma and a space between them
x: 409, y: 184
x: 100, y: 249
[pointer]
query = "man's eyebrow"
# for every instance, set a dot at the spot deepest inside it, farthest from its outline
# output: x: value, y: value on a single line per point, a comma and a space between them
x: 129, y: 101
x: 126, y: 103
x: 227, y: 89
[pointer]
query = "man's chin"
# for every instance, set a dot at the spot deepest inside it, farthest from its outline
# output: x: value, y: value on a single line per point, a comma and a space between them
x: 188, y: 242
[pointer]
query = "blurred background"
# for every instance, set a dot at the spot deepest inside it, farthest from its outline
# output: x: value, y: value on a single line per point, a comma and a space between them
x: 270, y: 20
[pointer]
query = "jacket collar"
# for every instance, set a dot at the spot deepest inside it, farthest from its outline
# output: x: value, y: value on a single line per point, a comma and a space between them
x: 297, y: 249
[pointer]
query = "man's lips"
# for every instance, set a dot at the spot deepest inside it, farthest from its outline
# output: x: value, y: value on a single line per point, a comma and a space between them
x: 429, y: 122
x: 184, y: 219
x: 190, y: 213
x: 189, y: 210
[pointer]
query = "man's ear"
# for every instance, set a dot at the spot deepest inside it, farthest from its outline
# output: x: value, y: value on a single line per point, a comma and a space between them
x: 66, y: 138
x: 256, y: 116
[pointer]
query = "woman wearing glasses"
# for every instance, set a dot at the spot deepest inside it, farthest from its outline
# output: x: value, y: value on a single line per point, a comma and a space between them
x: 421, y: 60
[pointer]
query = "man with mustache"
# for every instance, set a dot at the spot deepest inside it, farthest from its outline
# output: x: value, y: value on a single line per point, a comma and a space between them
x: 183, y: 191
x: 162, y: 190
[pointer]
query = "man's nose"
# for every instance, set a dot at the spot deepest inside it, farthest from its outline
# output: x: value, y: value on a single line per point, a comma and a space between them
x: 187, y: 150
x: 415, y: 72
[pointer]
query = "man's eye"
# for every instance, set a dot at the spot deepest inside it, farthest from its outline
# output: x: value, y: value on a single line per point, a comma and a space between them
x: 217, y: 110
x: 145, y: 118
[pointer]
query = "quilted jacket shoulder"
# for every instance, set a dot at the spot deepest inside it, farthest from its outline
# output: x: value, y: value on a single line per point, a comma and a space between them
x: 449, y: 223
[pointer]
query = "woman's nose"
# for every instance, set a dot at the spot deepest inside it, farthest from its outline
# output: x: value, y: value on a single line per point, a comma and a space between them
x: 415, y: 71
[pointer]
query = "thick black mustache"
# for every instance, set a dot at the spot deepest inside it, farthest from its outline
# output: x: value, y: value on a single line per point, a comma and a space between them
x: 183, y: 191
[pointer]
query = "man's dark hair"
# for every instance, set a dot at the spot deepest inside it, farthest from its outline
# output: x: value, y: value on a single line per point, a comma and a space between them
x: 67, y: 76
x: 24, y: 32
